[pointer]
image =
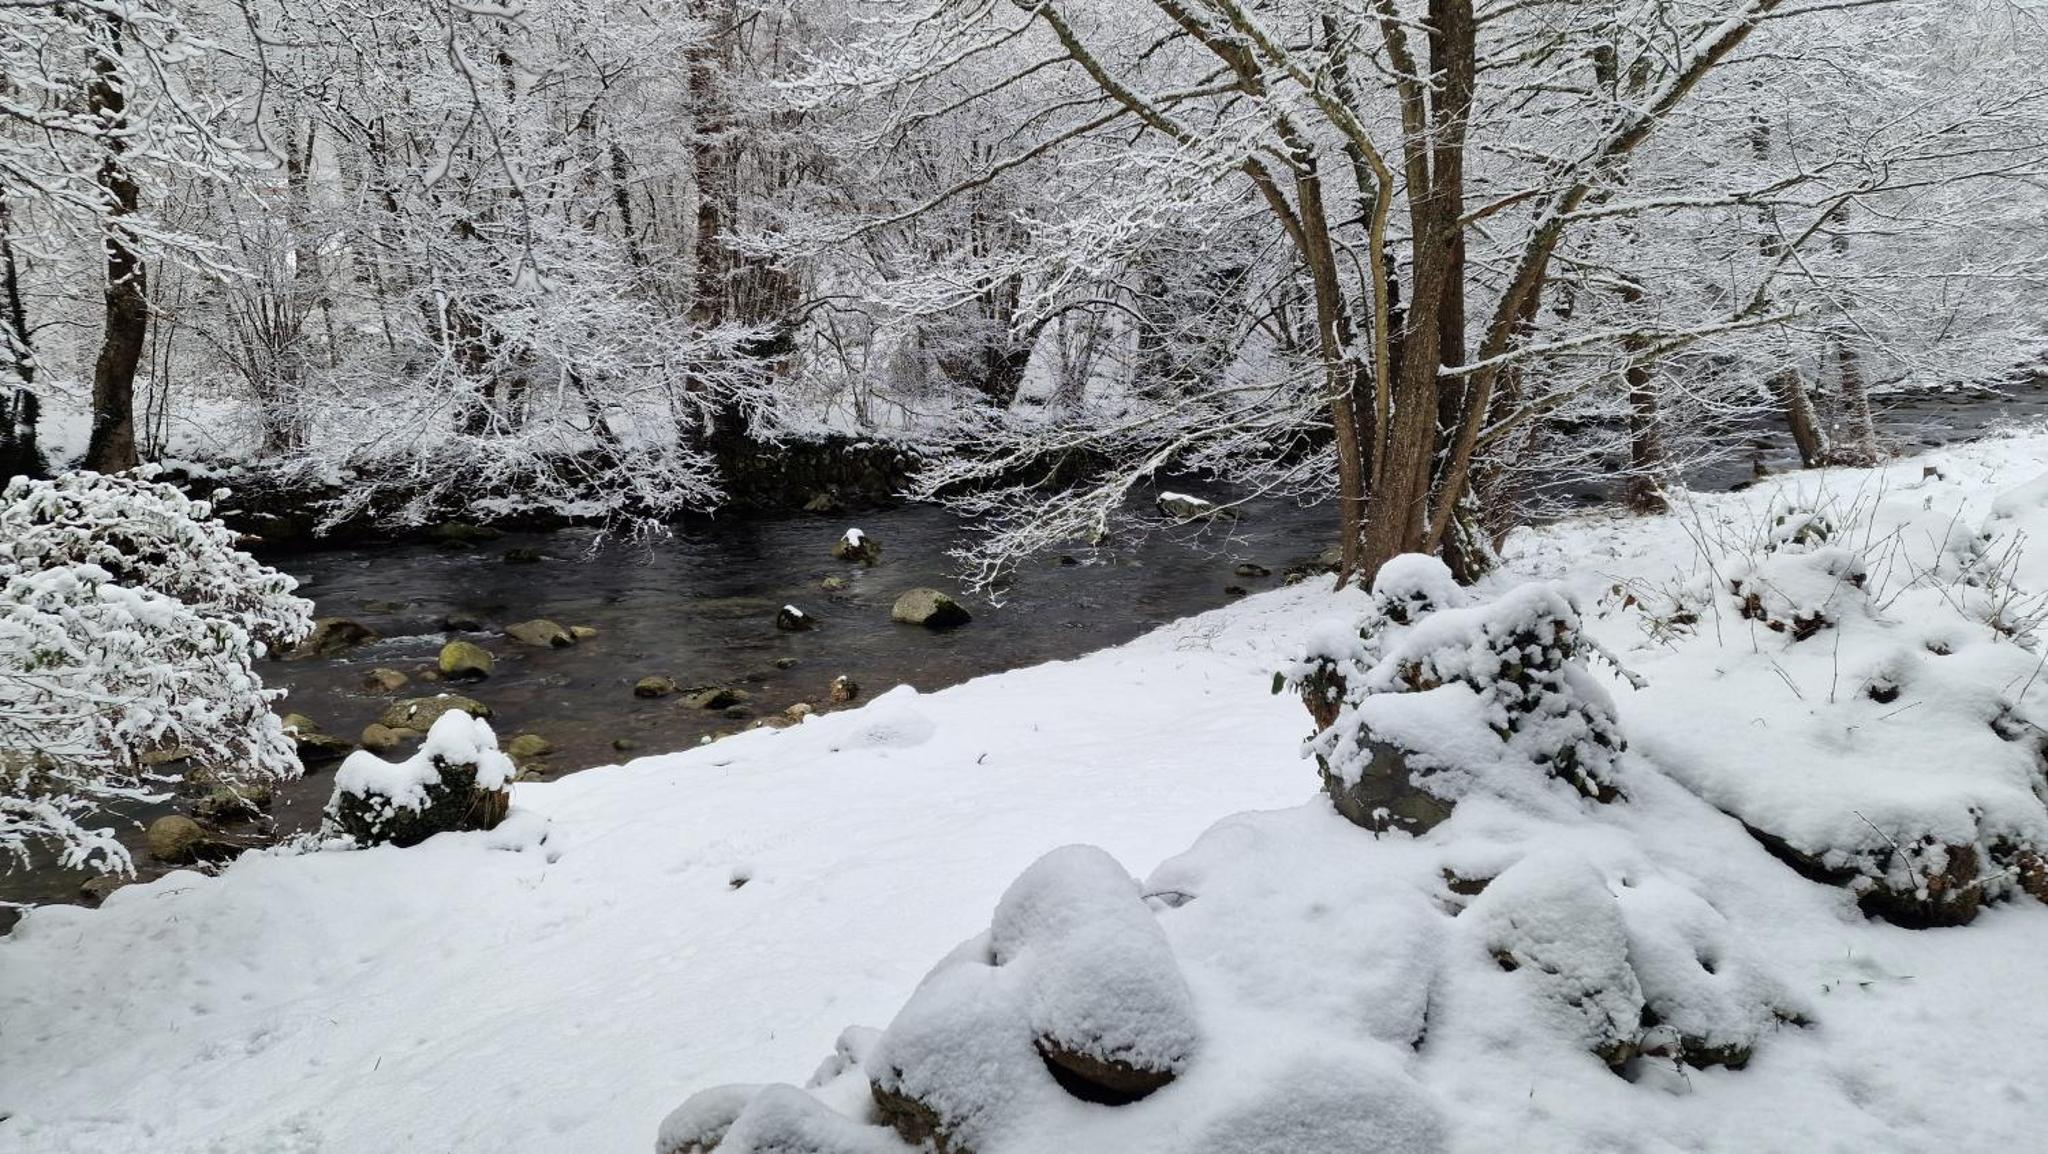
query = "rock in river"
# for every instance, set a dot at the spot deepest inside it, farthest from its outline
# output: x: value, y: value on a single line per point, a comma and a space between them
x: 541, y: 632
x: 420, y: 713
x: 929, y: 608
x: 465, y: 661
x: 332, y: 635
x: 857, y: 546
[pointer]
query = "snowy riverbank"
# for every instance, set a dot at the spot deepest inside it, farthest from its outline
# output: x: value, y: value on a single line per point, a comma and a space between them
x: 639, y: 933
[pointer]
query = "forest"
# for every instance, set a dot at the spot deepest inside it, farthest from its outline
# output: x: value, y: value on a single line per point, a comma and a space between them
x: 1407, y: 575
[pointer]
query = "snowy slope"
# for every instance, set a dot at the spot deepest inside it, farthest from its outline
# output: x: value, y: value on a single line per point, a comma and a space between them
x: 456, y: 997
x: 503, y: 993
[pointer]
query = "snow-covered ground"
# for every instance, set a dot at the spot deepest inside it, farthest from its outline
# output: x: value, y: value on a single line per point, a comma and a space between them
x: 636, y: 934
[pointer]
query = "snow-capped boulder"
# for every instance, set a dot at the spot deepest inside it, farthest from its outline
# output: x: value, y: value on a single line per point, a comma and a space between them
x: 456, y: 780
x: 1432, y: 695
x: 857, y: 547
x: 790, y: 619
x: 1184, y: 508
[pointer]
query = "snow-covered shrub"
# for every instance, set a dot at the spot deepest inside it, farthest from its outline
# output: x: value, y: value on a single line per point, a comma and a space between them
x: 456, y: 780
x: 129, y: 628
x: 1432, y: 691
x: 1877, y: 693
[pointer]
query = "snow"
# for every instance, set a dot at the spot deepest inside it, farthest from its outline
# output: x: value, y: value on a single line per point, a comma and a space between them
x: 1336, y: 991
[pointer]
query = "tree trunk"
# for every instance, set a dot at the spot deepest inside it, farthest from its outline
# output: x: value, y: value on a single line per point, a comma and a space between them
x: 1799, y: 417
x: 111, y: 447
x: 1648, y: 467
x: 1858, y: 439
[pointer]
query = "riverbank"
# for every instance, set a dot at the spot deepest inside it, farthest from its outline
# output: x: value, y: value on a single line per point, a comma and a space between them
x: 640, y: 932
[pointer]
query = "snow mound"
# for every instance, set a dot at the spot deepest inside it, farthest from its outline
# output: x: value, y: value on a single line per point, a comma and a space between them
x: 891, y: 721
x: 1878, y: 709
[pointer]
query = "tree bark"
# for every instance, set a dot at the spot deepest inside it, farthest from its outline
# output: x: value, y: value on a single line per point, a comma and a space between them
x: 1799, y: 417
x: 111, y: 447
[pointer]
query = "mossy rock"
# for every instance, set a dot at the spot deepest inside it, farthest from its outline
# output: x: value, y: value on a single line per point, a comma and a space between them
x: 541, y: 632
x: 465, y: 661
x: 420, y: 713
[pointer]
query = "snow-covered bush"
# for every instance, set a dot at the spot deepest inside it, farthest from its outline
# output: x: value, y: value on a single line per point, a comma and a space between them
x: 1878, y: 690
x: 1432, y: 691
x: 129, y: 629
x: 457, y: 779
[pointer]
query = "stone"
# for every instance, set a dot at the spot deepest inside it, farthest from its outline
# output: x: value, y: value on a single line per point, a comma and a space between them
x: 455, y: 800
x: 384, y: 680
x: 799, y: 711
x: 929, y: 608
x: 624, y: 744
x: 332, y: 635
x: 1249, y: 569
x: 541, y: 632
x: 527, y: 746
x: 833, y: 584
x: 582, y: 632
x: 313, y: 743
x: 857, y: 547
x: 379, y: 738
x: 1235, y: 591
x: 715, y: 697
x: 420, y: 713
x: 823, y: 502
x: 523, y: 555
x: 1385, y: 796
x: 1184, y: 508
x: 785, y: 663
x: 844, y: 689
x: 737, y: 713
x: 652, y: 687
x: 1105, y: 1080
x: 175, y: 839
x: 790, y: 619
x: 429, y: 674
x: 232, y: 803
x: 462, y: 533
x: 384, y: 606
x: 462, y: 623
x: 95, y: 890
x: 465, y: 661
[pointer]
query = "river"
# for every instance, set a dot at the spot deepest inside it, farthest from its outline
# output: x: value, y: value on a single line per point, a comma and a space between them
x: 699, y: 607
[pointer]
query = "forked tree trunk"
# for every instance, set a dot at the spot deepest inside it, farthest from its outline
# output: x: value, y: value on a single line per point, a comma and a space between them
x: 111, y: 447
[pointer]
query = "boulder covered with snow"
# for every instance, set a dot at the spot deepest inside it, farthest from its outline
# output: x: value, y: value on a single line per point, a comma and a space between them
x: 1184, y: 508
x: 457, y: 779
x: 1433, y: 694
x: 856, y: 546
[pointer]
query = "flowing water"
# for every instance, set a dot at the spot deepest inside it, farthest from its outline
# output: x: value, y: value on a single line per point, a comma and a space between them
x: 700, y: 608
